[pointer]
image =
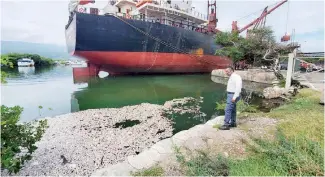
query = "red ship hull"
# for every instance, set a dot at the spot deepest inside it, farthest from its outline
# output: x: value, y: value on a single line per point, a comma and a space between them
x: 129, y: 46
x: 151, y: 62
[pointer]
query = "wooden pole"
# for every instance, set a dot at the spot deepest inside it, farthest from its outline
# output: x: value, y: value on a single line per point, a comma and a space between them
x: 294, y: 60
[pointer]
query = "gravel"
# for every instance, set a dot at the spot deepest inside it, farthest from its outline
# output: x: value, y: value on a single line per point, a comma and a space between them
x: 79, y: 143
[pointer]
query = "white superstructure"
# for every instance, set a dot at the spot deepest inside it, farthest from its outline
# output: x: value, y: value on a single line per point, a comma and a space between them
x: 178, y: 13
x: 171, y: 9
x: 25, y: 62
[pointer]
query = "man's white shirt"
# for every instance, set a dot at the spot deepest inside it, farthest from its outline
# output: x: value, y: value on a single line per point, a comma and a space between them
x: 234, y: 85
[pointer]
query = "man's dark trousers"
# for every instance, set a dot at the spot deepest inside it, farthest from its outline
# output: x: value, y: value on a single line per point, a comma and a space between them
x: 230, y: 111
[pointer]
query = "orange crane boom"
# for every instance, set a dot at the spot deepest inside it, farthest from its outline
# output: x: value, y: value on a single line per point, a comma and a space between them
x: 263, y: 15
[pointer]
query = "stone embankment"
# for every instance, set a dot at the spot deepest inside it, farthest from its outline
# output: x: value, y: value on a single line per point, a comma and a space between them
x: 257, y: 80
x: 254, y: 75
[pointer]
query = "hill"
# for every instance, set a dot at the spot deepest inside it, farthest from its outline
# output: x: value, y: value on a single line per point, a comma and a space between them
x: 46, y: 50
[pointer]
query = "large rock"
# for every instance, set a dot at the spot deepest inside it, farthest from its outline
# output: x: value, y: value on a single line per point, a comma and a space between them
x: 274, y: 92
x: 256, y: 75
x: 219, y: 120
x: 145, y: 159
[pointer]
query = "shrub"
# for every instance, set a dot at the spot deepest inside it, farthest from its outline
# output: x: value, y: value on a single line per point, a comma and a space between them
x: 241, y: 107
x: 18, y: 139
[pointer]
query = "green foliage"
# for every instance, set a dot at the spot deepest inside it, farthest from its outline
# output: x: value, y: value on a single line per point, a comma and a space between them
x: 252, y: 49
x: 5, y: 63
x: 14, y: 57
x: 297, y: 156
x: 230, y: 49
x: 153, y: 171
x: 3, y: 77
x: 282, y: 83
x: 241, y: 106
x: 18, y: 139
x: 203, y: 165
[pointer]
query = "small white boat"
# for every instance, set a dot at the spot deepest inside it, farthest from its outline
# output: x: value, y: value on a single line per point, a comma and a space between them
x: 25, y: 62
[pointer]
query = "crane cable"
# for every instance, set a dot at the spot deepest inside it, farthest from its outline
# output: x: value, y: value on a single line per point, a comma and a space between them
x: 250, y: 14
x: 256, y: 12
x: 287, y: 18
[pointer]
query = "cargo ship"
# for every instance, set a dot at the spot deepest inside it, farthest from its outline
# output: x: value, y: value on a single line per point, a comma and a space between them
x: 143, y: 37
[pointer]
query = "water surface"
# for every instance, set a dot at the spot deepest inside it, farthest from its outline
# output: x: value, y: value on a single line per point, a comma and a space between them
x: 55, y: 90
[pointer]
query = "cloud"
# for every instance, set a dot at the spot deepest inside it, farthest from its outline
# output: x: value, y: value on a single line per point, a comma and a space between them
x: 34, y: 21
x: 44, y: 21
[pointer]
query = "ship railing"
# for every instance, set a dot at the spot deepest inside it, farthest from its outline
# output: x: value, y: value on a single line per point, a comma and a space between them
x: 184, y: 24
x: 188, y: 11
x: 198, y: 15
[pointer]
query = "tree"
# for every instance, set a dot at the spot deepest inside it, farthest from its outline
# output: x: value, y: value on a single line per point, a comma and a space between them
x: 231, y: 46
x: 259, y: 48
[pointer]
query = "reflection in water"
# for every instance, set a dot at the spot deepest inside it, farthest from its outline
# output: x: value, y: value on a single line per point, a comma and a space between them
x: 113, y: 92
x: 26, y: 70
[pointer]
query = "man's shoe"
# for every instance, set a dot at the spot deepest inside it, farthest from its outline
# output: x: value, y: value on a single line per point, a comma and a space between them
x: 224, y: 127
x: 233, y: 125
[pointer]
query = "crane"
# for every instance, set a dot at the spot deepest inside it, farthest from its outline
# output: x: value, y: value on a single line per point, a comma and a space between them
x: 258, y: 21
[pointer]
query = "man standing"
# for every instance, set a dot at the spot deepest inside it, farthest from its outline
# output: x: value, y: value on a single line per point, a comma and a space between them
x: 234, y: 87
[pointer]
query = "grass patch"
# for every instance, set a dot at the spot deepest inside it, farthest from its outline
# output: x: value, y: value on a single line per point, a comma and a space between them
x: 303, y: 116
x: 153, y: 171
x: 203, y: 165
x: 285, y: 156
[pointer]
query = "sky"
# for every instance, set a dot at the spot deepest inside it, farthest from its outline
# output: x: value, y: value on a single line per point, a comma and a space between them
x: 43, y: 21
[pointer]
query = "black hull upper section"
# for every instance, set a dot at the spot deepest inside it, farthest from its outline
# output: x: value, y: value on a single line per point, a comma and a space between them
x: 88, y: 32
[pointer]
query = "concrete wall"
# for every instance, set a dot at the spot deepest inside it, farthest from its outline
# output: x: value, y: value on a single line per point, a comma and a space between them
x: 255, y: 75
x: 247, y: 85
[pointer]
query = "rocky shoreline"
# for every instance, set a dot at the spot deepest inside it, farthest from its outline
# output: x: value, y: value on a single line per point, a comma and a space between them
x: 79, y: 143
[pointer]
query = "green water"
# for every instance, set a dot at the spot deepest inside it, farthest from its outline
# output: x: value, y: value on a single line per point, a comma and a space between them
x: 55, y: 90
